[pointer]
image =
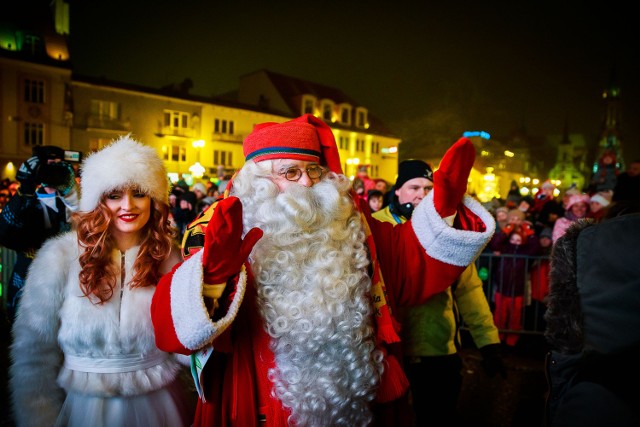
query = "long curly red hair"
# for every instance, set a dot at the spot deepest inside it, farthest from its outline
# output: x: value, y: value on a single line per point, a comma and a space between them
x: 98, y: 274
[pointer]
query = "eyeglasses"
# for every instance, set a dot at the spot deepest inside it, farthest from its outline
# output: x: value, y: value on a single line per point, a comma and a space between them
x: 294, y: 174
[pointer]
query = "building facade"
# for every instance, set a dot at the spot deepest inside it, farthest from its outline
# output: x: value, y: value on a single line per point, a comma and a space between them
x: 42, y: 102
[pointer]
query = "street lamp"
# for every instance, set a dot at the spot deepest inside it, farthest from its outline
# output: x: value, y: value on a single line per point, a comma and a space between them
x: 196, y: 169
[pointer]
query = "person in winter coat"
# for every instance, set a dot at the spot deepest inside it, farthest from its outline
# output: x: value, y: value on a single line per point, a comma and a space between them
x: 83, y: 351
x: 40, y: 209
x: 513, y: 245
x: 286, y: 298
x: 430, y: 331
x: 593, y: 327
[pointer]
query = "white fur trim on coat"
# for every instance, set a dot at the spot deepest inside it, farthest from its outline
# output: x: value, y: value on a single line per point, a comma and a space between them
x: 447, y: 244
x: 191, y: 319
x: 55, y: 318
x: 124, y: 162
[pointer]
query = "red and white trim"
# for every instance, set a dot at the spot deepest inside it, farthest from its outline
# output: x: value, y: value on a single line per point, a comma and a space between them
x: 193, y: 325
x: 448, y: 244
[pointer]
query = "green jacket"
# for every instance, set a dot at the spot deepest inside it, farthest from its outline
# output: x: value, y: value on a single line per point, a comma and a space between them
x: 431, y: 329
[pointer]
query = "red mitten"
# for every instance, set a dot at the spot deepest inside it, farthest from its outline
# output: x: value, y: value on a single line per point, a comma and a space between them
x: 224, y: 249
x: 450, y: 180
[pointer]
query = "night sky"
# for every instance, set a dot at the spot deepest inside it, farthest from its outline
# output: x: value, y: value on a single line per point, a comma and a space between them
x: 495, y: 68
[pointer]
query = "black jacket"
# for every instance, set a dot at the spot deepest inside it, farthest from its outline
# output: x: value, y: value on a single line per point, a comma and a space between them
x: 593, y: 325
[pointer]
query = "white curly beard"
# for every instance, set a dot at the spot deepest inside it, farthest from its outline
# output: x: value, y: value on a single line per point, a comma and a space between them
x: 314, y: 296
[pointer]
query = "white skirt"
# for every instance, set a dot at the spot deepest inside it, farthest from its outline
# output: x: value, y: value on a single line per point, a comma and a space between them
x: 165, y: 407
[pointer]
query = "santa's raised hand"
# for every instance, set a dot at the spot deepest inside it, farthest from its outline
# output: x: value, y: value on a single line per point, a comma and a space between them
x: 451, y: 178
x: 224, y: 248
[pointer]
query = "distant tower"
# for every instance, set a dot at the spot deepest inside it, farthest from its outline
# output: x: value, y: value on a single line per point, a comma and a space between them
x: 565, y: 169
x: 609, y: 160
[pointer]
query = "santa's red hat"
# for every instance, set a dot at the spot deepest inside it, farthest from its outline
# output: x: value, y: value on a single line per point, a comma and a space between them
x: 304, y: 138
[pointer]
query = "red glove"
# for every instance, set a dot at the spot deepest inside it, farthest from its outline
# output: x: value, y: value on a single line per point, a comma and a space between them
x: 450, y: 180
x: 224, y: 249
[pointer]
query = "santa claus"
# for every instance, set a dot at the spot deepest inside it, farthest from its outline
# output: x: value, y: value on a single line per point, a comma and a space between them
x: 285, y: 299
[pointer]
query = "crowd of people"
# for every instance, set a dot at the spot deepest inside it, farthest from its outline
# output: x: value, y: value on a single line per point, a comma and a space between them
x: 293, y: 295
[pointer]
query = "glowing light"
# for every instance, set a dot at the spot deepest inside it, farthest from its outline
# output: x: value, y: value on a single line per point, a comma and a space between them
x: 198, y: 143
x: 197, y: 170
x: 9, y: 171
x: 489, y: 186
x: 389, y: 150
x: 509, y: 153
x: 480, y: 133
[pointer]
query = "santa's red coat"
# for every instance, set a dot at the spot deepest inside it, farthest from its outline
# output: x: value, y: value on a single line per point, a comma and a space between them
x: 416, y: 260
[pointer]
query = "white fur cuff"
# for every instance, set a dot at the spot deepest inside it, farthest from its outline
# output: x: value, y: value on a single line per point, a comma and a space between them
x: 192, y: 323
x: 447, y: 244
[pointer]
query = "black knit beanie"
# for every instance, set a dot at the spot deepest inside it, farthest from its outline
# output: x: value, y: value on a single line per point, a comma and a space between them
x: 409, y: 169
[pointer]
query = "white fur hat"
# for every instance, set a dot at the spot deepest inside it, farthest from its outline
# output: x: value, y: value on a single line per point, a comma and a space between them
x: 600, y: 198
x: 122, y: 163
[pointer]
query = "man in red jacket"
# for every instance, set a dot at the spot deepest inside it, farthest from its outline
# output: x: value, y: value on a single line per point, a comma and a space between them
x: 285, y: 299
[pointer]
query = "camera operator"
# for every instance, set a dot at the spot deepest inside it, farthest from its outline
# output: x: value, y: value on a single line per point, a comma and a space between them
x: 40, y: 209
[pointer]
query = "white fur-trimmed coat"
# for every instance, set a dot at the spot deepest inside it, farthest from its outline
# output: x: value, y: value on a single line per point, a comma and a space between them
x: 55, y: 318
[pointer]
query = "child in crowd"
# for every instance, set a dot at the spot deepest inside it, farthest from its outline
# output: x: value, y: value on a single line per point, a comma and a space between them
x: 598, y: 204
x: 577, y: 207
x: 375, y: 200
x: 510, y: 277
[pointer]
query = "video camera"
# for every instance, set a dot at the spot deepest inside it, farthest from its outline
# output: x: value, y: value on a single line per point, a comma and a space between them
x: 54, y: 171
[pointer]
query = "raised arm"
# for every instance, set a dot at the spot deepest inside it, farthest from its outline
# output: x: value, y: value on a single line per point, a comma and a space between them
x: 183, y: 319
x: 447, y: 231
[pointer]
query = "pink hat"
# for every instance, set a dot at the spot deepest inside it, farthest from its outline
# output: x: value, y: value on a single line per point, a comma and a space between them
x: 578, y: 198
x: 305, y: 138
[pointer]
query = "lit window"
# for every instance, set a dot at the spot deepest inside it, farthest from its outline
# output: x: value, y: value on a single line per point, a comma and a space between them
x: 105, y: 109
x: 32, y: 44
x: 308, y: 106
x: 224, y: 158
x: 33, y: 134
x: 34, y: 91
x: 223, y: 126
x: 176, y: 120
x: 345, y: 116
x: 326, y: 111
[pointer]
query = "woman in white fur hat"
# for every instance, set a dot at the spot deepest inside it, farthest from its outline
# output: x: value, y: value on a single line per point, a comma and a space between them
x: 84, y: 351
